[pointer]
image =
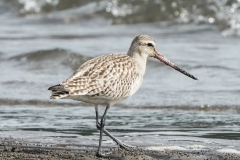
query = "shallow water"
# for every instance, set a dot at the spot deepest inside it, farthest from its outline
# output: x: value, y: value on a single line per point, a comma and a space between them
x: 124, y: 121
x: 43, y: 42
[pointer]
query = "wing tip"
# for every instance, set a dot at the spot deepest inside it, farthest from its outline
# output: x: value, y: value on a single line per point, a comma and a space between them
x: 54, y: 87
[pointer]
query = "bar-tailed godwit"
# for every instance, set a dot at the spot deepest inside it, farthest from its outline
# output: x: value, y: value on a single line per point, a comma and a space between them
x: 110, y: 79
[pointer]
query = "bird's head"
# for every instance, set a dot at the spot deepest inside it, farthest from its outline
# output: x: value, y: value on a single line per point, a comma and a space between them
x: 144, y: 46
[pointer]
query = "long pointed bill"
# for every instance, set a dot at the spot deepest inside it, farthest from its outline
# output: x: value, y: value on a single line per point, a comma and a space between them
x: 167, y: 62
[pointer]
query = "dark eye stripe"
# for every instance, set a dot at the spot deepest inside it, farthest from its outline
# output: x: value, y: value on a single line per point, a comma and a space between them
x: 150, y: 44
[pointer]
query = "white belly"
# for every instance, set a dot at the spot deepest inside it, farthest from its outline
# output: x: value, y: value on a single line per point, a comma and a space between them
x: 96, y: 100
x: 136, y: 85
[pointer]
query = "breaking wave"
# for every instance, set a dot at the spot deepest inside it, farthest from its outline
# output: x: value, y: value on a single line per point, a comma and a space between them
x: 223, y: 14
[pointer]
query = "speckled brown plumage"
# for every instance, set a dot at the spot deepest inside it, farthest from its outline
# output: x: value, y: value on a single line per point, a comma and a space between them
x: 109, y: 76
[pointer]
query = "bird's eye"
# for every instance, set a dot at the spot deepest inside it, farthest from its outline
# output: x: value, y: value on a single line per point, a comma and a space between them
x: 150, y: 44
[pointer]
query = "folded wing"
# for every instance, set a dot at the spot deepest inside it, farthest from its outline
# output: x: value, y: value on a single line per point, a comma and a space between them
x: 109, y: 76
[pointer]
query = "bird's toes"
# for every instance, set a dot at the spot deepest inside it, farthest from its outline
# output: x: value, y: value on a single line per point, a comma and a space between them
x: 106, y: 155
x: 99, y: 154
x: 127, y: 147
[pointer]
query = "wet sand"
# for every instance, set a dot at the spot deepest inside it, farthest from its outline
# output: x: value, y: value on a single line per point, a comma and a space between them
x: 11, y: 148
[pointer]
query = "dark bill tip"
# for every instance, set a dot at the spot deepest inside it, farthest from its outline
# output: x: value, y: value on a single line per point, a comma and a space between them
x: 169, y: 63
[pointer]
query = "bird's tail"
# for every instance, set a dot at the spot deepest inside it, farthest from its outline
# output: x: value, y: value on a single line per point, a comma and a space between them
x: 58, y: 92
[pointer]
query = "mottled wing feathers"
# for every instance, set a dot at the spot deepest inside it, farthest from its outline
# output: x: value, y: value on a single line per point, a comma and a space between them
x: 109, y: 76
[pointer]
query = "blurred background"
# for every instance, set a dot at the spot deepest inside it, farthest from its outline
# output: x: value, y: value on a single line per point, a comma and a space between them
x: 42, y: 42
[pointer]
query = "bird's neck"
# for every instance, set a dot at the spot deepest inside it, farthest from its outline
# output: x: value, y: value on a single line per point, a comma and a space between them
x: 141, y: 60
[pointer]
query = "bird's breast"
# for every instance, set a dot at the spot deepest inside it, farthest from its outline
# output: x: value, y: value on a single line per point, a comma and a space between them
x: 136, y: 85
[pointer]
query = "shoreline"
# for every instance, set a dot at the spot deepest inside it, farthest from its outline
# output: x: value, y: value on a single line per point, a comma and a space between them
x: 11, y: 149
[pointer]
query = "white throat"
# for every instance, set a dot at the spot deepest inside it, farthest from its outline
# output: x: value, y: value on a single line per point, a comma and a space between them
x: 141, y: 59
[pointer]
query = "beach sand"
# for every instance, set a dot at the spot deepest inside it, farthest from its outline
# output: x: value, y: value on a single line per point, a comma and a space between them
x: 12, y: 149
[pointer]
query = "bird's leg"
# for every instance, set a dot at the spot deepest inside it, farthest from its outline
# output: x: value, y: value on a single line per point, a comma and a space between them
x: 102, y: 123
x: 120, y: 143
x: 96, y: 110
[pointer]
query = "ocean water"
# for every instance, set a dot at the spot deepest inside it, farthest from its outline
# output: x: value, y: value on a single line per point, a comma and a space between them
x: 42, y: 42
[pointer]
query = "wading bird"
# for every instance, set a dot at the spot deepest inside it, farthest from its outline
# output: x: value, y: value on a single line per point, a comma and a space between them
x: 110, y: 79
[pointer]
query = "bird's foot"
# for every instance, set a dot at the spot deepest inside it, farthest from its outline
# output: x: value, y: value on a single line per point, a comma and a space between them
x: 126, y: 146
x: 99, y: 154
